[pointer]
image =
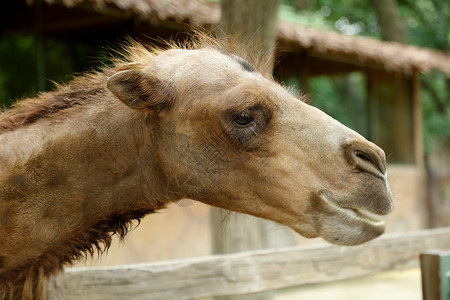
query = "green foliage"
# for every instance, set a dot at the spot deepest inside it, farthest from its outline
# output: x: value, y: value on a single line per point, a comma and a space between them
x: 428, y: 22
x: 19, y: 74
x: 314, y: 19
x: 18, y: 68
x: 436, y: 110
x: 352, y: 17
x: 325, y: 96
x: 344, y: 98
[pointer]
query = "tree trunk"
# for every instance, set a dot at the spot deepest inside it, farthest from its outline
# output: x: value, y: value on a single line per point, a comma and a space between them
x: 252, y: 22
x: 388, y: 16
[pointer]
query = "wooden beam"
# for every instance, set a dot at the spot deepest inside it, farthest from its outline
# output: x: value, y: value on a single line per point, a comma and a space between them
x: 248, y: 272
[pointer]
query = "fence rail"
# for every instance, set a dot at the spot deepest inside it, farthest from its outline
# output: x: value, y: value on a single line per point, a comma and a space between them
x: 248, y: 272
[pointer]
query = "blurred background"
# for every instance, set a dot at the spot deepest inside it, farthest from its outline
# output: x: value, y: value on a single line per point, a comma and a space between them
x: 380, y: 67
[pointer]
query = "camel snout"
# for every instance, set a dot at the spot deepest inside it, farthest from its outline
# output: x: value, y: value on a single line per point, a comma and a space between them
x: 366, y: 157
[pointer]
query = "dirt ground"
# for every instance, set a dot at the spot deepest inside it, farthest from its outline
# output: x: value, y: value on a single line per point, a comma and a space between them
x: 397, y: 285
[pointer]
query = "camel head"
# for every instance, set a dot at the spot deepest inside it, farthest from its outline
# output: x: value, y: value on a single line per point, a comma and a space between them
x: 226, y: 135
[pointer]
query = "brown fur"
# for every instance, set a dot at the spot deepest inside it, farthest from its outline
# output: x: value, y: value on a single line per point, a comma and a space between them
x: 81, y: 163
x: 30, y: 110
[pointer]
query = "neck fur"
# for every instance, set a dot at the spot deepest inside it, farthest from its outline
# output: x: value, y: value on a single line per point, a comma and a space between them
x: 84, y: 180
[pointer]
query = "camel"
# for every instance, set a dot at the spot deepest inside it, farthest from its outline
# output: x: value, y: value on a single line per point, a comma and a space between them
x: 194, y: 121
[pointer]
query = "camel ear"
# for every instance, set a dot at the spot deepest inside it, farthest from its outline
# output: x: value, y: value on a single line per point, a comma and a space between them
x: 139, y: 90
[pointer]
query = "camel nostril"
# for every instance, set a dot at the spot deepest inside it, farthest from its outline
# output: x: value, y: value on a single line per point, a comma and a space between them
x: 369, y: 161
x: 366, y: 157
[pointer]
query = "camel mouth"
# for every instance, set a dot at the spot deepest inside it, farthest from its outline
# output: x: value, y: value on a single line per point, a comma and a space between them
x: 355, y: 214
x: 365, y: 216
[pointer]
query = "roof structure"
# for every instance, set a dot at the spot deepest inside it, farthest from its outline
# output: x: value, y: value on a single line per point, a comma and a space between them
x: 363, y: 51
x: 394, y: 57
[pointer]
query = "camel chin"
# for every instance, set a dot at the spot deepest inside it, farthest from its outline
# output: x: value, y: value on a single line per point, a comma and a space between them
x: 348, y: 226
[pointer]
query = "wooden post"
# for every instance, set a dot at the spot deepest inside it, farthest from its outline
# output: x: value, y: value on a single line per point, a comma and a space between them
x: 392, y: 115
x: 435, y: 267
x: 417, y: 119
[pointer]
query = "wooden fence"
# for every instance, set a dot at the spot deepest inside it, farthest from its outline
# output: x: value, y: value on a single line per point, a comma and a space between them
x: 248, y: 272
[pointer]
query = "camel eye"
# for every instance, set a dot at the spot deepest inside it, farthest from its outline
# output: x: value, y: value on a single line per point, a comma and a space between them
x: 243, y: 119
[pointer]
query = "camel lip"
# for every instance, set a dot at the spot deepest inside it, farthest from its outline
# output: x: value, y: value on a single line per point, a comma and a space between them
x: 358, y: 214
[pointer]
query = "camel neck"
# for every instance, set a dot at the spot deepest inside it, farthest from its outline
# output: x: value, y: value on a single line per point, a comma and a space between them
x: 96, y: 174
